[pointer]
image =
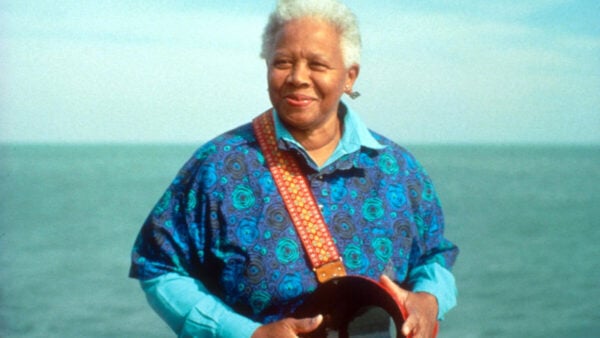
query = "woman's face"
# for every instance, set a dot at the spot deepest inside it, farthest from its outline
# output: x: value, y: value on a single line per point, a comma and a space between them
x: 306, y: 74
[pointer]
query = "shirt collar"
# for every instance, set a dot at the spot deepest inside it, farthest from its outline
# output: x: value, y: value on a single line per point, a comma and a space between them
x: 355, y: 135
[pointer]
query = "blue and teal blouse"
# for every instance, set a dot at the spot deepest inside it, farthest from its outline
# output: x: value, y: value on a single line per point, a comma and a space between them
x: 222, y: 221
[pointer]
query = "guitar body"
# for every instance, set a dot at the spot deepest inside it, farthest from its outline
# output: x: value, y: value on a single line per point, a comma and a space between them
x: 344, y: 300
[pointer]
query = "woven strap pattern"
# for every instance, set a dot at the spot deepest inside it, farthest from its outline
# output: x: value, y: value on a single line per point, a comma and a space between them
x: 297, y: 196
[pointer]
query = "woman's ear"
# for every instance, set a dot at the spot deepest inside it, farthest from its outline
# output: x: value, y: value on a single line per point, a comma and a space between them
x: 352, y: 75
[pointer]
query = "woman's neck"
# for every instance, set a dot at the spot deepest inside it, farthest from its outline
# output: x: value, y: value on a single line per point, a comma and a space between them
x: 322, y: 142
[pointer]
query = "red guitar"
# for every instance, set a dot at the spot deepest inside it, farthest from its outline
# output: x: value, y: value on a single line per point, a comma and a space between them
x: 354, y: 306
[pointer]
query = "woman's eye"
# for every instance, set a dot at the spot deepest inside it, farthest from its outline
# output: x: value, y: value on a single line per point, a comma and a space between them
x: 282, y: 63
x: 318, y: 66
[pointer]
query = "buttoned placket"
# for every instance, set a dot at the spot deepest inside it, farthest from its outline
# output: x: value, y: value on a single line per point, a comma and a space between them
x: 317, y: 182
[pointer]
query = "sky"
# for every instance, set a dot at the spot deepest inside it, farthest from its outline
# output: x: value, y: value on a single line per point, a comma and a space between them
x: 158, y: 71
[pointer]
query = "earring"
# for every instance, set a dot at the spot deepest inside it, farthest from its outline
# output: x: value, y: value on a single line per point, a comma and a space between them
x: 354, y: 95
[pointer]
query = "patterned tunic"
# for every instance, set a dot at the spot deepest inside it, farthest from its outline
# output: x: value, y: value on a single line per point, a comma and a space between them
x: 223, y: 222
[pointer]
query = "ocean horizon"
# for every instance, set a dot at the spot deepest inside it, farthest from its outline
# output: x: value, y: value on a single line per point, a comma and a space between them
x: 525, y: 217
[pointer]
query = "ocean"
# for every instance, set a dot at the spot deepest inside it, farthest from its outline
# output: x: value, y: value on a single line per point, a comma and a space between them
x: 526, y: 218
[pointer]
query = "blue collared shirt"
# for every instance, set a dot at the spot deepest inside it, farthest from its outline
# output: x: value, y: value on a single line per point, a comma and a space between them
x: 204, y: 251
x: 355, y: 135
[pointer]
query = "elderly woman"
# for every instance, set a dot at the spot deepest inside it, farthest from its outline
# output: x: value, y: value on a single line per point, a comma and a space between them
x: 219, y: 255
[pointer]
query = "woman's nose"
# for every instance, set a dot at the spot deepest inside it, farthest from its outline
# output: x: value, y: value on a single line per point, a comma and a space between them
x: 299, y: 75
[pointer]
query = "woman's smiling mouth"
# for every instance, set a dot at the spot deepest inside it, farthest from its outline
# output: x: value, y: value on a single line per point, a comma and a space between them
x: 298, y: 100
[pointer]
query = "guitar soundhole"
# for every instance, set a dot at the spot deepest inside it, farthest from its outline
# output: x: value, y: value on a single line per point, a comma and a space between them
x: 371, y: 322
x: 353, y: 307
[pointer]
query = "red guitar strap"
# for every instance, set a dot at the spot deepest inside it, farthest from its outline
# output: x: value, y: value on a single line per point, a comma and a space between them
x: 300, y: 202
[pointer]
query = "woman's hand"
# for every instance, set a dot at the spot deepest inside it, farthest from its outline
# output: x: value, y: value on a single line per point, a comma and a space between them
x: 422, y: 310
x: 288, y: 327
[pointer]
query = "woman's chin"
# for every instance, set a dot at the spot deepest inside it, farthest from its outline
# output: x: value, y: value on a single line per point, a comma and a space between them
x: 299, y: 120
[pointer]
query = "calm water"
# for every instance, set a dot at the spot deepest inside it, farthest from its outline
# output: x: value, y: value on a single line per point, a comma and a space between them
x: 527, y: 220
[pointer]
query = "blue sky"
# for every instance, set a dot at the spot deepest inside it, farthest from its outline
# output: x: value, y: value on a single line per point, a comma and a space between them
x: 184, y: 71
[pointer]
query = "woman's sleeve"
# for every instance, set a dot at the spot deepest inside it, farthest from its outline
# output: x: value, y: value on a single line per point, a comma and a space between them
x: 438, y: 281
x: 168, y: 258
x: 433, y: 255
x: 192, y: 311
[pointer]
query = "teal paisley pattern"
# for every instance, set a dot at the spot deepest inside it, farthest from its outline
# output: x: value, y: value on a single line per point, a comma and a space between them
x: 242, y: 197
x: 287, y: 251
x: 383, y: 248
x: 373, y: 209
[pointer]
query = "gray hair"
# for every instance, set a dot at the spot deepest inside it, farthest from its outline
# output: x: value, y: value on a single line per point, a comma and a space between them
x: 331, y: 11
